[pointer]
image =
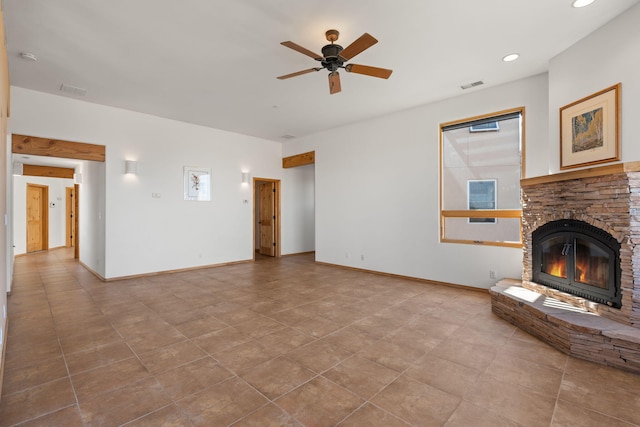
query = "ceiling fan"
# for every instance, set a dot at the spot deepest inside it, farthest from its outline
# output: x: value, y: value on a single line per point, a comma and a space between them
x: 334, y: 57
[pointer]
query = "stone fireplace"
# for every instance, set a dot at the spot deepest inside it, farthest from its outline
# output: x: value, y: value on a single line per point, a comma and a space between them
x: 580, y: 315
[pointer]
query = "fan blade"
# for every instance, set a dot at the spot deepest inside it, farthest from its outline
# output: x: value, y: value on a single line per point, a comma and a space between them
x: 299, y: 73
x: 364, y: 42
x: 334, y: 82
x: 302, y: 50
x: 382, y: 73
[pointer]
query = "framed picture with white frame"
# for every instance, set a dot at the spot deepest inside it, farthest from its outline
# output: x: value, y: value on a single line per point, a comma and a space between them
x: 197, y: 183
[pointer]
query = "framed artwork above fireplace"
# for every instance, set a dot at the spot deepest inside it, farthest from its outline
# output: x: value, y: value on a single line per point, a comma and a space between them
x: 590, y: 130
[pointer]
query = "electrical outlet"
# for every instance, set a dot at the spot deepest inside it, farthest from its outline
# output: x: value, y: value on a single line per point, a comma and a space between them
x: 492, y: 274
x: 347, y: 255
x: 362, y: 257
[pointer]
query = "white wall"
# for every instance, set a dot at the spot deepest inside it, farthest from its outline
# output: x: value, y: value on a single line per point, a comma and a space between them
x: 600, y: 60
x: 298, y: 209
x: 376, y: 182
x: 143, y: 234
x: 377, y: 188
x: 57, y: 214
x: 6, y: 264
x: 91, y: 216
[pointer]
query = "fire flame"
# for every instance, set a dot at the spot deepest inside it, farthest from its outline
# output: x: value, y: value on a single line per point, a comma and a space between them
x: 557, y: 267
x: 593, y: 271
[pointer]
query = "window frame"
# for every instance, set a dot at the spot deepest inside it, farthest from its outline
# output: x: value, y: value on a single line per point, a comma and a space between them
x: 481, y: 213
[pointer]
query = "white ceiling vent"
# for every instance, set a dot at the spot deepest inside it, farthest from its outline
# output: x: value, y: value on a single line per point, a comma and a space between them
x: 73, y: 90
x: 474, y: 84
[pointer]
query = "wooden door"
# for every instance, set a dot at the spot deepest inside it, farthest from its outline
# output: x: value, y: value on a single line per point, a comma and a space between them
x: 267, y: 215
x: 70, y: 217
x: 37, y: 218
x: 76, y: 221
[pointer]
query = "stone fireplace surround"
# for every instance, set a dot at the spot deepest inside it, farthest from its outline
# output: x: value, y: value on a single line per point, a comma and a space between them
x: 607, y: 197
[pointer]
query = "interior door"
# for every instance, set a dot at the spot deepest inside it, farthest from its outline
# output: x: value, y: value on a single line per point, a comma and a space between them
x: 76, y: 221
x: 37, y: 218
x: 266, y: 191
x: 70, y: 217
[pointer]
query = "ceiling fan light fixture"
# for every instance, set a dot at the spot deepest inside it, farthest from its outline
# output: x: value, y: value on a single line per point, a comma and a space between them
x: 332, y: 35
x: 335, y: 56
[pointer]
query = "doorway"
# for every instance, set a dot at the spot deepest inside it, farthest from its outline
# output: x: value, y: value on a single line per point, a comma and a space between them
x: 71, y: 219
x: 267, y: 216
x: 26, y: 145
x: 37, y: 218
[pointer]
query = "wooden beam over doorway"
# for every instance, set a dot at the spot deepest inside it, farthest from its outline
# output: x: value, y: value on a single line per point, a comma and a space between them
x: 47, y: 171
x: 299, y: 160
x: 35, y: 146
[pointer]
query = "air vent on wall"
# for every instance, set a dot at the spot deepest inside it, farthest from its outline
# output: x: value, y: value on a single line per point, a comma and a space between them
x: 474, y: 84
x: 73, y: 90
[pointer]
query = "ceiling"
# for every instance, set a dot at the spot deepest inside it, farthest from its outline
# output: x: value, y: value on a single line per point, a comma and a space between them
x: 215, y: 63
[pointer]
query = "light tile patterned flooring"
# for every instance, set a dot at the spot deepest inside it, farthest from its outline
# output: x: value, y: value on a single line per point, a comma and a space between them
x: 283, y: 342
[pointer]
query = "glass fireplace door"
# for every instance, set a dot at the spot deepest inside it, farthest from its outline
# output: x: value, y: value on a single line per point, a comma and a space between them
x: 578, y: 258
x: 554, y: 259
x: 592, y: 264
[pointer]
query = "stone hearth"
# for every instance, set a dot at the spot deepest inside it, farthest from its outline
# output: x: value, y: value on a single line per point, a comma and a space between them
x: 607, y: 197
x: 570, y: 329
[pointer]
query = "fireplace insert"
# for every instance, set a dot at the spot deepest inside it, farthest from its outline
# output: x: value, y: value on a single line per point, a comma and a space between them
x: 578, y: 258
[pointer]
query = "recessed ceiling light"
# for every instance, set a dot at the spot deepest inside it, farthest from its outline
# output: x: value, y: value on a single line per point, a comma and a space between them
x: 28, y: 56
x: 511, y: 57
x: 582, y: 3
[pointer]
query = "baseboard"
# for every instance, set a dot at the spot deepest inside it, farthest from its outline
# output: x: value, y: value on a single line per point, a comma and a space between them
x: 298, y: 253
x: 90, y: 270
x: 44, y: 250
x: 5, y: 337
x: 158, y: 273
x: 414, y: 279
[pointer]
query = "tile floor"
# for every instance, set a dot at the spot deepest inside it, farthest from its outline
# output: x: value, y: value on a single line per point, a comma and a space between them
x: 283, y: 342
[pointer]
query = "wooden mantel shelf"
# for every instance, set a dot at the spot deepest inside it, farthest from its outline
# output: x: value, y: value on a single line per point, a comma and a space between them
x: 582, y: 173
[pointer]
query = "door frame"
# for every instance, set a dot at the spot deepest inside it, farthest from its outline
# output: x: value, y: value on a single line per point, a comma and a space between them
x: 44, y: 209
x: 256, y: 214
x: 70, y: 230
x: 72, y: 225
x: 76, y: 200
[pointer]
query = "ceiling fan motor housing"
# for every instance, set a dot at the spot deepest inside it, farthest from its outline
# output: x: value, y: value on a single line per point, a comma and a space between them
x: 331, y: 61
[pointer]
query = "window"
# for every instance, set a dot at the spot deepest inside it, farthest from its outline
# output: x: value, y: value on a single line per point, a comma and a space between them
x: 480, y: 172
x: 481, y: 194
x: 485, y: 127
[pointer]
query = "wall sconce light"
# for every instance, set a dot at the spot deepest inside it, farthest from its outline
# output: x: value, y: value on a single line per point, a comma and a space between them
x: 245, y: 177
x: 130, y: 167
